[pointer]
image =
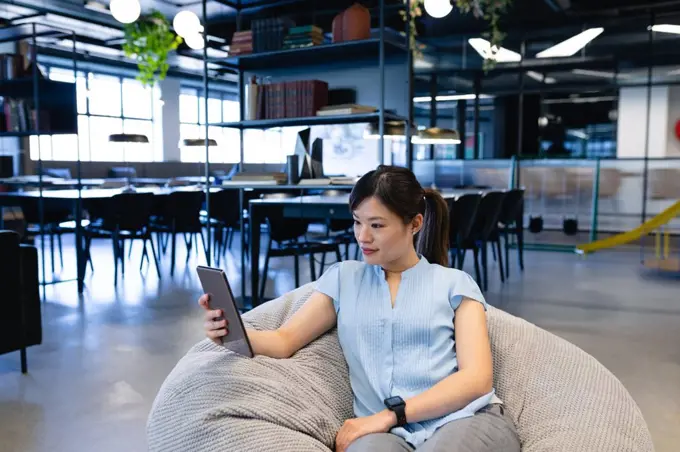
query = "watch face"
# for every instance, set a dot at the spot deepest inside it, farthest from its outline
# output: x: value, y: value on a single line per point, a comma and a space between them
x: 392, y: 401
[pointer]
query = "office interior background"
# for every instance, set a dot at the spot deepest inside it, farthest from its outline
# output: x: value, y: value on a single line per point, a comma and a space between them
x: 578, y: 108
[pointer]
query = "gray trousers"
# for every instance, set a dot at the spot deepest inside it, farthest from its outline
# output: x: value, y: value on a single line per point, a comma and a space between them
x: 489, y: 430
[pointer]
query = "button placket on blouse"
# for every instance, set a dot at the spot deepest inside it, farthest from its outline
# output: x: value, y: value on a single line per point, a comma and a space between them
x: 387, y: 327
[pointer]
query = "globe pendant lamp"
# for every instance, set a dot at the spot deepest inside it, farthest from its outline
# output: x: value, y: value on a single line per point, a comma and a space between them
x: 438, y: 8
x: 125, y: 11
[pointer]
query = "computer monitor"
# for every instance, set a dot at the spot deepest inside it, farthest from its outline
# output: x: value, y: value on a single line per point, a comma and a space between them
x: 6, y: 166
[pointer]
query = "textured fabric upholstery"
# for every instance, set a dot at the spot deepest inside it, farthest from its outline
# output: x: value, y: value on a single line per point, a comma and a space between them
x: 560, y: 398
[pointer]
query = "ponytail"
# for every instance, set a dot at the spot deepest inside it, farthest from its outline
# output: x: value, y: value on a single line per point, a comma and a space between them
x: 398, y: 189
x: 433, y: 239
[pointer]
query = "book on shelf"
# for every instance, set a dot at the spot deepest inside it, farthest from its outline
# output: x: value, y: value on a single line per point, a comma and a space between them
x: 292, y: 99
x: 345, y: 109
x: 268, y: 34
x: 19, y: 115
x: 304, y: 36
x: 241, y: 43
x: 12, y: 66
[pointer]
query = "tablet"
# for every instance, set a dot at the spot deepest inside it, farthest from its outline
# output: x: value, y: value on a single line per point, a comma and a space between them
x: 215, y: 284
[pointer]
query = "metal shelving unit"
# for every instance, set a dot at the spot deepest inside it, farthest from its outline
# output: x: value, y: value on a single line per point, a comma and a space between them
x: 309, y: 121
x: 361, y: 50
x: 59, y: 100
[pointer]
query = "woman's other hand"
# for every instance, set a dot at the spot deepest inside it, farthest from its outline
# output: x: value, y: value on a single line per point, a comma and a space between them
x: 355, y: 428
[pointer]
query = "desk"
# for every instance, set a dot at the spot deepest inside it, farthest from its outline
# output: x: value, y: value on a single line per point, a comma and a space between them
x: 49, y: 182
x: 259, y: 186
x: 72, y: 200
x: 311, y: 207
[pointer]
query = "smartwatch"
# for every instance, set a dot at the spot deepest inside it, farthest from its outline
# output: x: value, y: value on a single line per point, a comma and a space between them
x: 397, y: 406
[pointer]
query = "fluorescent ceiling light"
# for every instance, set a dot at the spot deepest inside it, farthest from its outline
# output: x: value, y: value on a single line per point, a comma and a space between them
x: 90, y: 48
x: 578, y: 134
x: 601, y: 74
x: 80, y: 27
x: 572, y: 45
x: 11, y: 11
x: 422, y: 64
x: 217, y: 53
x: 448, y: 97
x: 541, y: 78
x: 666, y: 28
x: 502, y: 55
x: 581, y: 100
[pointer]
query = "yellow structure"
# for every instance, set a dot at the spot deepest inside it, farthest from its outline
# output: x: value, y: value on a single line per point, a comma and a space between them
x: 663, y: 259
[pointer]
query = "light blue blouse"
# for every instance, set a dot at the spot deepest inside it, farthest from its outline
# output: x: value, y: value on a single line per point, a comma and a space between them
x: 405, y: 350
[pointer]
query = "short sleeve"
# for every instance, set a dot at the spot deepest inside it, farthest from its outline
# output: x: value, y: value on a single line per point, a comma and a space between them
x: 329, y: 284
x: 462, y: 285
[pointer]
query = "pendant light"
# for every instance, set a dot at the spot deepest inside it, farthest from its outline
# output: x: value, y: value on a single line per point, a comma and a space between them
x: 197, y: 142
x: 437, y: 135
x: 128, y: 138
x: 125, y: 11
x: 438, y: 8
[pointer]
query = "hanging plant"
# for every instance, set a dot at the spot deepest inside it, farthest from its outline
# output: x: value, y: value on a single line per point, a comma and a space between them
x: 489, y: 10
x: 149, y: 40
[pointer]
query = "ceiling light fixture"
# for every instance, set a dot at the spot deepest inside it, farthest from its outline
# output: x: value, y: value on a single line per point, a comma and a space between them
x: 502, y: 55
x: 186, y: 24
x: 450, y: 97
x: 436, y: 135
x: 601, y: 74
x: 393, y: 129
x: 572, y: 45
x: 438, y: 8
x: 125, y: 11
x: 541, y: 78
x: 128, y: 138
x: 196, y: 142
x: 666, y: 28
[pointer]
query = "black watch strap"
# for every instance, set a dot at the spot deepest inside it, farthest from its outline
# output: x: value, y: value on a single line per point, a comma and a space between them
x: 400, y: 411
x: 398, y: 407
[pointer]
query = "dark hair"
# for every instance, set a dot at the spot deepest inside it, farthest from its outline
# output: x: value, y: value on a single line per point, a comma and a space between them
x: 399, y: 190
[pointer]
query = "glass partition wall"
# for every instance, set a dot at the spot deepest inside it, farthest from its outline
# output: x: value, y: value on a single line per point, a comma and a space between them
x: 595, y: 134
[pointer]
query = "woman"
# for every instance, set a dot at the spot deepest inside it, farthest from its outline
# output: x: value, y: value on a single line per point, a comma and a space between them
x: 413, y: 330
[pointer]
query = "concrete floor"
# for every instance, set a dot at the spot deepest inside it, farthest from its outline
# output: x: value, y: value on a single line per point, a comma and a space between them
x: 91, y: 384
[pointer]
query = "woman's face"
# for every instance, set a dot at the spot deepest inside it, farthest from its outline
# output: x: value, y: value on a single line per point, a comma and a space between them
x: 382, y: 234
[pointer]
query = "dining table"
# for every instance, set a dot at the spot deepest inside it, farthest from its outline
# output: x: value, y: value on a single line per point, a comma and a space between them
x: 312, y: 207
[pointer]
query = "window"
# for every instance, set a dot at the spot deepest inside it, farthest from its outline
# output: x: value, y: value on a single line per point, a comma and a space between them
x: 107, y: 104
x: 192, y: 125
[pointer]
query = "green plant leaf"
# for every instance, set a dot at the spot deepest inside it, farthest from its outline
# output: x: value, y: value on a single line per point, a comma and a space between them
x: 150, y: 40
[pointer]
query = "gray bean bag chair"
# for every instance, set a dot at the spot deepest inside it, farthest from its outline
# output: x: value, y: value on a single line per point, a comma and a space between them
x: 560, y: 398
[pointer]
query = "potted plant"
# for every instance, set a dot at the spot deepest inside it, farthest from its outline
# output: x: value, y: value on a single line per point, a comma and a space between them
x: 489, y: 10
x: 149, y: 40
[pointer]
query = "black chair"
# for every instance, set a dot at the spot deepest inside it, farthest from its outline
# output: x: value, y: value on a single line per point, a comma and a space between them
x: 511, y: 222
x: 20, y: 317
x: 486, y: 221
x: 284, y: 240
x: 179, y: 213
x: 52, y: 218
x: 224, y: 219
x: 121, y: 172
x: 462, y: 216
x: 339, y: 231
x: 127, y: 218
x: 62, y: 173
